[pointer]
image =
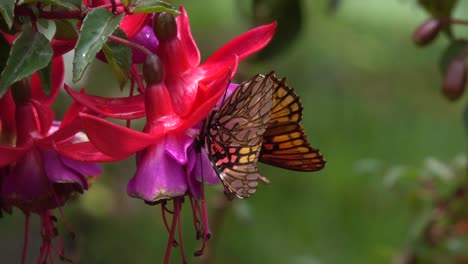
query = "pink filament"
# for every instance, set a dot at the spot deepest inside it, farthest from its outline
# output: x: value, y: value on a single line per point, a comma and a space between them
x: 26, y: 238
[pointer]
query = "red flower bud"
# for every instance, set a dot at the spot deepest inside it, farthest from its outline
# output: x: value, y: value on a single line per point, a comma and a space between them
x: 165, y: 26
x: 152, y: 70
x: 455, y: 79
x: 427, y: 32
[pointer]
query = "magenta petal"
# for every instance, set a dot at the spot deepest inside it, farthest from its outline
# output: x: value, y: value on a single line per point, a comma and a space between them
x: 57, y: 172
x: 186, y: 39
x: 176, y: 145
x: 84, y: 168
x: 203, y: 164
x: 26, y: 180
x: 158, y: 176
x: 147, y: 39
x: 199, y: 166
x: 231, y: 88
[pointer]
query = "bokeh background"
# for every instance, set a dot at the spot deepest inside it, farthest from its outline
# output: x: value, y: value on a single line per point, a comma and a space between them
x: 371, y: 100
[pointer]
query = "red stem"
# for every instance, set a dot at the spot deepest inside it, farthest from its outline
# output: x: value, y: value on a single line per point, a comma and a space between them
x: 181, y: 243
x: 171, y: 234
x: 26, y: 239
x: 130, y: 44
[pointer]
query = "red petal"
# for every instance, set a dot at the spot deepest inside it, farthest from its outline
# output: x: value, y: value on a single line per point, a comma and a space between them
x: 206, y: 99
x: 45, y: 116
x: 132, y: 24
x: 84, y: 151
x: 186, y: 39
x: 242, y: 46
x: 61, y: 47
x: 119, y: 108
x: 114, y: 140
x: 7, y: 114
x: 64, y: 133
x: 9, y: 38
x: 57, y: 80
x: 9, y: 155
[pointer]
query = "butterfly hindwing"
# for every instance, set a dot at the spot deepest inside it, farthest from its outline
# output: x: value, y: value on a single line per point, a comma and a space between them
x: 235, y: 135
x: 285, y: 143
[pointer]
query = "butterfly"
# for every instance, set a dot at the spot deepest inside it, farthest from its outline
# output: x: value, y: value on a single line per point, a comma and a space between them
x: 284, y: 143
x: 258, y: 122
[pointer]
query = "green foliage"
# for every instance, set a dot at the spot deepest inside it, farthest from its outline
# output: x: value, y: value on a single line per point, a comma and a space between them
x: 119, y: 58
x: 67, y: 4
x: 7, y: 8
x: 151, y: 6
x: 454, y: 49
x: 30, y: 52
x: 98, y: 25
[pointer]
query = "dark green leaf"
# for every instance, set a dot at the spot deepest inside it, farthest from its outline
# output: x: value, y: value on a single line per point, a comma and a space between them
x: 119, y: 58
x: 7, y: 8
x: 65, y: 29
x: 151, y: 6
x: 288, y: 14
x: 68, y: 4
x: 97, y: 27
x: 45, y: 77
x: 455, y: 49
x: 440, y: 9
x: 30, y: 52
x: 4, y: 51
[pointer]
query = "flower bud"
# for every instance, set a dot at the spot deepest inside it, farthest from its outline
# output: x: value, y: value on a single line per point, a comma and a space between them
x: 153, y: 72
x: 165, y: 26
x: 455, y: 79
x: 427, y: 32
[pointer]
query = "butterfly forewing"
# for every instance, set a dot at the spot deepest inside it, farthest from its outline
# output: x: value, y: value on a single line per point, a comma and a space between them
x: 235, y: 134
x: 285, y: 144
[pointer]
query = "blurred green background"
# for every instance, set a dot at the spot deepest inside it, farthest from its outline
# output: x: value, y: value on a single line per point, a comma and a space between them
x: 369, y: 95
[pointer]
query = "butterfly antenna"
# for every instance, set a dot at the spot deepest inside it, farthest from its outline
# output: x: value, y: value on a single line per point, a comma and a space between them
x: 225, y: 92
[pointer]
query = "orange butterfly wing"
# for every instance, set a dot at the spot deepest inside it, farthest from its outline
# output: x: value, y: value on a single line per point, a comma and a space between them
x: 284, y: 142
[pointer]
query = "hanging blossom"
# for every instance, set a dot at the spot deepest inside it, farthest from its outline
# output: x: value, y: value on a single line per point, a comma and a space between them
x: 34, y: 177
x: 178, y: 95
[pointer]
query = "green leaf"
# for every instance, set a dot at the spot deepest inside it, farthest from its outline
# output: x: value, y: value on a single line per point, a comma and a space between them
x: 68, y: 4
x: 65, y: 29
x: 454, y: 49
x: 119, y: 58
x: 151, y: 6
x: 30, y: 52
x: 7, y: 9
x: 97, y: 27
x: 45, y: 77
x: 440, y: 9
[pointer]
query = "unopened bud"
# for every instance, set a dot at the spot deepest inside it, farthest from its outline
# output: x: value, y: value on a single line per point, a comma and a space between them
x: 455, y: 79
x: 153, y: 72
x: 427, y: 32
x: 165, y: 26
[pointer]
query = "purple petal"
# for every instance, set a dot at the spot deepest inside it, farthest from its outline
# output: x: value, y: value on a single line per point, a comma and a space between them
x: 158, y: 176
x: 26, y: 178
x: 177, y: 145
x: 231, y: 88
x: 84, y: 168
x: 147, y: 39
x: 199, y: 166
x: 58, y: 172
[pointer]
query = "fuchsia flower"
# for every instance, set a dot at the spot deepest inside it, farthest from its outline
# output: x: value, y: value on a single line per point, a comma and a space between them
x: 34, y: 176
x: 178, y: 96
